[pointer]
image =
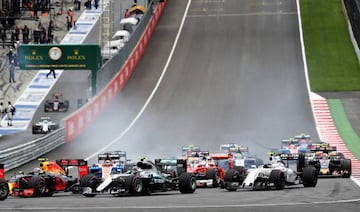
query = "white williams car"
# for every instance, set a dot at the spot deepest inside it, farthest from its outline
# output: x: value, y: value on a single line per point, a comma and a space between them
x: 276, y: 174
x: 45, y: 125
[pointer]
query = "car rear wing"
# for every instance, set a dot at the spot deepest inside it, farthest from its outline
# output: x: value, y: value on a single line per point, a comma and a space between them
x: 303, y: 136
x: 189, y: 149
x: 322, y: 147
x: 299, y: 157
x: 2, y: 171
x: 179, y: 163
x: 115, y: 156
x: 80, y: 163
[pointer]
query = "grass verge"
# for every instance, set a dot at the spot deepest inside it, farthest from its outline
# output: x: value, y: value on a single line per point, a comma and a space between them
x: 331, y: 59
x: 347, y: 133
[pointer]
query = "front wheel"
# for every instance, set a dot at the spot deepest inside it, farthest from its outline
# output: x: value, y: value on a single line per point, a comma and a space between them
x: 134, y: 184
x: 38, y: 183
x: 4, y: 190
x: 309, y: 176
x: 346, y: 168
x: 187, y: 183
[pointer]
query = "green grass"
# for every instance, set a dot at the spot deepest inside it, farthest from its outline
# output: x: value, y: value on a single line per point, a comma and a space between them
x: 331, y: 59
x: 347, y: 133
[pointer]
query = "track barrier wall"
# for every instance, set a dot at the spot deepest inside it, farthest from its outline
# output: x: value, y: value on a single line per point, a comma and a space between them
x: 111, y: 83
x: 78, y: 122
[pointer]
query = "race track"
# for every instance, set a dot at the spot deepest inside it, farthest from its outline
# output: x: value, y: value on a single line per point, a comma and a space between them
x: 236, y: 74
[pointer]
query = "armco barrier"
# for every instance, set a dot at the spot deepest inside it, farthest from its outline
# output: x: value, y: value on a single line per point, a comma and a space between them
x: 353, y: 12
x: 18, y: 155
x: 76, y: 123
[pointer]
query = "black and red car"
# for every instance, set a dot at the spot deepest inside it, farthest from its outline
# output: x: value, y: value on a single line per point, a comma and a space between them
x: 56, y: 104
x: 51, y: 177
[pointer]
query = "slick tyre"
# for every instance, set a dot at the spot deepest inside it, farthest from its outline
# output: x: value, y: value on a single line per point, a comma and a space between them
x: 242, y: 173
x: 187, y: 183
x: 4, y: 190
x: 214, y: 175
x: 230, y: 177
x: 89, y: 180
x: 277, y: 177
x: 134, y: 185
x: 38, y: 183
x: 346, y: 167
x: 309, y: 176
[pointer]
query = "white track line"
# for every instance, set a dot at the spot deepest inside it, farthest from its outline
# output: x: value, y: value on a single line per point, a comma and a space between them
x: 185, y: 206
x: 153, y: 91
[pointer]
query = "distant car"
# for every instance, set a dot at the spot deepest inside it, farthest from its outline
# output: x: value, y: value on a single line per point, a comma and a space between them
x: 328, y: 161
x: 114, y: 162
x: 56, y: 104
x: 112, y: 48
x: 45, y: 125
x: 121, y: 35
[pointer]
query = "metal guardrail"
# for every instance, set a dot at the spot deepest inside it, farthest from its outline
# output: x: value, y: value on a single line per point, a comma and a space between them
x: 19, y: 155
x: 16, y: 156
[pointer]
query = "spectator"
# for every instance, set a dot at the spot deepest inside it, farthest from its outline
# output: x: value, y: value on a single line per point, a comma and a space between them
x: 52, y: 71
x: 12, y: 71
x: 13, y: 37
x: 77, y: 4
x: 68, y: 23
x: 35, y: 9
x: 71, y: 16
x: 88, y: 4
x: 10, y: 55
x: 10, y: 110
x: 96, y: 4
x: 127, y: 13
x: 17, y: 33
x: 3, y: 37
x: 25, y: 34
x: 2, y: 112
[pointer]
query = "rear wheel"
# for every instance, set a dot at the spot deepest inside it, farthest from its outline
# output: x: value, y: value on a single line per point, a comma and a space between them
x: 242, y: 173
x: 187, y: 183
x: 231, y: 176
x: 278, y: 178
x: 346, y: 167
x: 4, y: 190
x: 214, y: 175
x: 89, y: 180
x: 309, y: 176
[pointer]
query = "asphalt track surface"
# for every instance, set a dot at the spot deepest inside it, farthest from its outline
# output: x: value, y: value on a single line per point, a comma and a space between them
x: 236, y: 75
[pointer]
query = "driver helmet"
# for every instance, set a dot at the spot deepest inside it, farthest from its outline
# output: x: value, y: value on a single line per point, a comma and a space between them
x: 107, y: 163
x: 36, y: 171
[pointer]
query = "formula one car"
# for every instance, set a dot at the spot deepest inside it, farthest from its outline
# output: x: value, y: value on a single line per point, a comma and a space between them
x: 49, y: 178
x: 234, y: 148
x: 189, y: 150
x: 45, y: 125
x: 4, y: 187
x: 110, y: 163
x: 276, y: 174
x: 205, y: 170
x: 240, y: 157
x: 56, y: 104
x: 328, y: 161
x: 145, y: 177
